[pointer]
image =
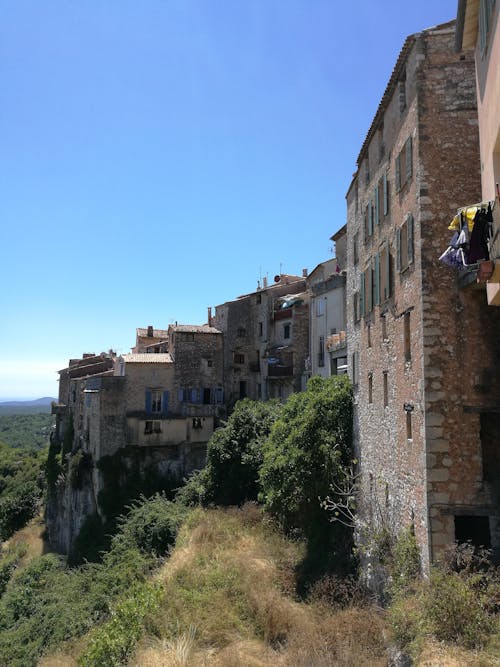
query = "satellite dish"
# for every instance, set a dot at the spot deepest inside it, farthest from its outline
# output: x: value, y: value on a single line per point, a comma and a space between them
x: 277, y: 279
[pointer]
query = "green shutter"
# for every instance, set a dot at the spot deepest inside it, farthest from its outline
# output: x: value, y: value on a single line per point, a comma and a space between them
x: 410, y: 238
x: 398, y: 173
x: 408, y: 159
x: 386, y: 194
x: 377, y: 204
x: 387, y: 292
x: 398, y: 249
x: 376, y: 285
x: 370, y: 218
x: 369, y: 289
x: 362, y: 295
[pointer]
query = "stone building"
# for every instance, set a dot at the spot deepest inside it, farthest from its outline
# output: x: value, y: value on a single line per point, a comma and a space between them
x: 266, y: 337
x: 422, y: 350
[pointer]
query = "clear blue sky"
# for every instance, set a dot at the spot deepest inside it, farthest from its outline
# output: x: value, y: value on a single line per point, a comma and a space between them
x: 157, y: 157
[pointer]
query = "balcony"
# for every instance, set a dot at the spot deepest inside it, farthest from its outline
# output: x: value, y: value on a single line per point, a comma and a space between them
x: 279, y: 371
x: 283, y: 314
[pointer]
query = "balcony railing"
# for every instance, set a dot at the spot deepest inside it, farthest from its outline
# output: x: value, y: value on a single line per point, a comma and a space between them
x: 280, y: 371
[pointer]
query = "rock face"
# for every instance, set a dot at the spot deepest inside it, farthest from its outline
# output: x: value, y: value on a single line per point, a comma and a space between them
x: 106, y: 488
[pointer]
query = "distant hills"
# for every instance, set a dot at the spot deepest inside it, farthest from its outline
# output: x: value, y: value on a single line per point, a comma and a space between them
x: 26, y: 407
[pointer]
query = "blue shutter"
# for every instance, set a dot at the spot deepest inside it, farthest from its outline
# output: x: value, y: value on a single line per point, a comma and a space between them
x: 148, y: 401
x: 376, y: 285
x: 180, y: 395
x: 164, y: 404
x: 194, y: 395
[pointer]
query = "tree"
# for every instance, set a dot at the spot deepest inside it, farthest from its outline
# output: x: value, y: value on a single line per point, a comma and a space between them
x: 234, y: 456
x: 308, y: 451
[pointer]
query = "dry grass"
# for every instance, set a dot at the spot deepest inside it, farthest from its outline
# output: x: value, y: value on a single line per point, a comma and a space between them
x: 440, y: 655
x: 32, y: 537
x: 230, y: 577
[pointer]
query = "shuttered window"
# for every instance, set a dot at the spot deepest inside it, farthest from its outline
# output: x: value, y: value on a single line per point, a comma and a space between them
x: 403, y: 165
x: 405, y: 244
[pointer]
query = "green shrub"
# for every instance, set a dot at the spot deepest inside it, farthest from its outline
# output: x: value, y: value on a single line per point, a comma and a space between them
x: 8, y: 564
x: 17, y: 508
x: 80, y: 465
x: 113, y: 642
x: 90, y: 542
x: 404, y: 563
x: 234, y: 457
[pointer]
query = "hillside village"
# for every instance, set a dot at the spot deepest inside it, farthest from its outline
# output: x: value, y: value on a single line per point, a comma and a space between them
x: 408, y: 308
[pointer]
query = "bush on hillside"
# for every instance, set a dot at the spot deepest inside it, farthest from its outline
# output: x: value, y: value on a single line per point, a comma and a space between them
x: 234, y: 457
x: 309, y: 449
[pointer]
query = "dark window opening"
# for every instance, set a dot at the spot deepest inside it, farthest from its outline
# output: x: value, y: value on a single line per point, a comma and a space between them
x: 370, y: 388
x: 473, y: 529
x: 386, y: 389
x: 407, y: 336
x: 243, y: 389
x: 206, y: 396
x: 409, y: 429
x: 197, y: 422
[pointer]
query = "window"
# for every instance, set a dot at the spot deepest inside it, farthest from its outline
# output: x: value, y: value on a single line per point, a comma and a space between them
x: 156, y: 401
x: 473, y: 529
x: 384, y: 273
x: 286, y: 330
x: 485, y: 12
x: 152, y: 427
x: 241, y: 333
x: 259, y: 391
x: 197, y: 423
x: 368, y: 335
x: 321, y: 351
x: 384, y: 194
x: 243, y: 389
x: 407, y: 336
x: 384, y: 327
x: 366, y: 291
x: 354, y: 367
x: 403, y: 165
x: 355, y: 304
x: 261, y: 328
x: 376, y: 204
x: 258, y: 298
x: 368, y: 221
x: 210, y: 363
x: 207, y: 396
x: 409, y: 432
x: 320, y: 306
x: 239, y: 358
x: 370, y: 388
x: 404, y: 244
x: 386, y: 389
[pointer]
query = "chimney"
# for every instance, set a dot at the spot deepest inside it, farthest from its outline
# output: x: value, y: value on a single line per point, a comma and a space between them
x: 264, y: 279
x: 150, y: 331
x: 304, y: 273
x: 209, y: 309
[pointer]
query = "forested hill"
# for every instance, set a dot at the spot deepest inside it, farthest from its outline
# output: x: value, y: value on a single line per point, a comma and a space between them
x: 26, y: 407
x: 26, y: 430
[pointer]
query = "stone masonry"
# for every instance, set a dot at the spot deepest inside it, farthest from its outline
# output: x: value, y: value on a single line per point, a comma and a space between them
x: 419, y: 345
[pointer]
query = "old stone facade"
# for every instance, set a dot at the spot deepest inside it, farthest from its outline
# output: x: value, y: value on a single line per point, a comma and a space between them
x: 266, y: 340
x: 419, y: 344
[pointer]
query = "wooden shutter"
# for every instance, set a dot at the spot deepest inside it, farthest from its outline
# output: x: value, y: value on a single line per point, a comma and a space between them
x: 377, y: 204
x: 409, y: 222
x: 385, y: 194
x: 398, y: 249
x: 376, y: 280
x: 370, y: 218
x: 398, y: 173
x: 387, y: 292
x: 408, y: 155
x: 362, y: 295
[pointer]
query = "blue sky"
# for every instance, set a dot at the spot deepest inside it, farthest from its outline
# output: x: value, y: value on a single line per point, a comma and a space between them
x: 158, y: 157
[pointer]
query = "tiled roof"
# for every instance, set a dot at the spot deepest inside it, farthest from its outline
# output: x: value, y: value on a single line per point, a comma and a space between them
x: 194, y: 328
x: 144, y: 358
x: 157, y: 333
